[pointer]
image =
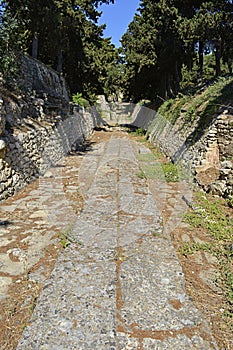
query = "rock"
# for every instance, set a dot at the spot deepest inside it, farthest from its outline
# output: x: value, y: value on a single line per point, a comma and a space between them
x: 48, y: 174
x: 2, y: 144
x: 2, y: 124
x: 207, y: 176
x: 225, y: 172
x: 2, y: 116
x: 2, y: 149
x: 218, y: 188
x: 226, y: 164
x: 4, y: 284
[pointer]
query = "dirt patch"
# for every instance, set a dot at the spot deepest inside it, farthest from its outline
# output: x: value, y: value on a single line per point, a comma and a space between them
x: 202, y: 281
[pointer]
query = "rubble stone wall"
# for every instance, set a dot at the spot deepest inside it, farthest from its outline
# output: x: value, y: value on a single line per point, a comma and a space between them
x: 31, y: 149
x: 38, y: 127
x: 207, y: 153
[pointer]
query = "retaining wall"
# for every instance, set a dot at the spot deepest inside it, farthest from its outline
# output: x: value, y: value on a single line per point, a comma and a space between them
x: 39, y: 127
x: 208, y: 153
x: 37, y: 145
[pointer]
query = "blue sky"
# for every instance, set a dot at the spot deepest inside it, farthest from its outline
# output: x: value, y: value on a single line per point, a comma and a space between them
x: 117, y: 16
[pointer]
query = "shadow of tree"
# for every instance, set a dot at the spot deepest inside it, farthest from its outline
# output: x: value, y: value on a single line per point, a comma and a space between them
x: 30, y: 157
x: 81, y: 149
x: 6, y: 223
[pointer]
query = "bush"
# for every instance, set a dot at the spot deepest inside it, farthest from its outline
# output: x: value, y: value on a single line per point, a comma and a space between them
x: 12, y: 45
x: 80, y: 100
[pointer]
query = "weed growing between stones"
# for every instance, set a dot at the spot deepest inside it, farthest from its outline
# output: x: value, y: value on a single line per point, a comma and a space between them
x: 156, y: 233
x: 137, y: 132
x: 66, y: 238
x: 170, y: 171
x: 33, y: 303
x: 64, y: 242
x: 209, y: 215
x: 155, y: 166
x: 141, y: 174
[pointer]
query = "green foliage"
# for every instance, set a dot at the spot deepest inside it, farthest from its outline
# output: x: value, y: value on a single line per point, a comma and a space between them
x: 155, y: 165
x: 171, y: 109
x: 170, y: 171
x: 199, y: 105
x: 69, y: 39
x: 190, y: 76
x: 209, y: 214
x: 141, y: 174
x: 152, y: 169
x: 11, y: 43
x: 167, y: 45
x: 66, y: 238
x: 146, y: 157
x: 80, y: 100
x: 190, y: 248
x: 137, y: 132
x: 230, y: 202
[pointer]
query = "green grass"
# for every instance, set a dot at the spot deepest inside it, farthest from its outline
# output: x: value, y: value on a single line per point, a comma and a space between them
x: 141, y: 174
x: 66, y: 238
x: 137, y: 131
x: 210, y: 216
x: 155, y: 165
x: 199, y: 105
x: 170, y: 172
x: 171, y: 109
x: 145, y: 157
x: 152, y: 171
x: 230, y: 202
x: 156, y: 170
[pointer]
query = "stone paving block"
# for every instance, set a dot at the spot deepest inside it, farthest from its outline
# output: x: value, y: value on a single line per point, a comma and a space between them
x: 119, y: 284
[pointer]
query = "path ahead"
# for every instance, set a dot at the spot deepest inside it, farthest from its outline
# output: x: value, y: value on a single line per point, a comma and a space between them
x: 119, y: 284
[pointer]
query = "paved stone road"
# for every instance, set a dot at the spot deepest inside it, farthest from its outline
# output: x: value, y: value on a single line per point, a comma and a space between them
x: 119, y: 284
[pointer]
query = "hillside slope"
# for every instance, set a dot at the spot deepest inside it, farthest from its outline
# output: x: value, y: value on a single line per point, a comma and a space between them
x: 196, y: 128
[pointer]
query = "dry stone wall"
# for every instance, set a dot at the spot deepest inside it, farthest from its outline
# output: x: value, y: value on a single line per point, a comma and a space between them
x: 206, y: 153
x: 39, y: 127
x: 35, y: 146
x: 37, y: 79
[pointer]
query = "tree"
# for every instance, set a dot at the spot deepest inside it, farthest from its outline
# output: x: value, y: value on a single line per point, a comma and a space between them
x: 65, y: 35
x: 152, y: 46
x: 12, y: 44
x: 209, y: 28
x: 168, y: 34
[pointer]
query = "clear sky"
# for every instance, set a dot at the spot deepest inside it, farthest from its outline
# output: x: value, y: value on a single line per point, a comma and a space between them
x: 117, y: 17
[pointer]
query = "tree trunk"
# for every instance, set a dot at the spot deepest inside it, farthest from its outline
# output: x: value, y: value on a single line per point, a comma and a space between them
x: 218, y: 57
x: 35, y: 46
x: 201, y: 61
x: 59, y: 61
x: 178, y: 78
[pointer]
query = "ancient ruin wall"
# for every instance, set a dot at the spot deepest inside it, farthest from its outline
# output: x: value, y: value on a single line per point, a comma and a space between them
x: 39, y: 127
x: 207, y: 153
